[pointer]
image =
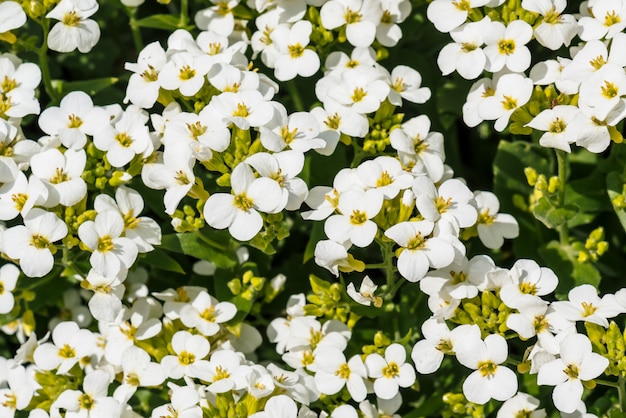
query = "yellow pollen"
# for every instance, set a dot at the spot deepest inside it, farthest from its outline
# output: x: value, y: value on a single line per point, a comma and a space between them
x: 8, y: 84
x: 552, y: 17
x: 86, y: 401
x: 391, y: 370
x: 398, y: 85
x: 333, y: 121
x: 243, y: 202
x: 445, y: 346
x: 186, y: 73
x: 150, y: 74
x: 352, y: 64
x: 416, y: 243
x: 343, y: 371
x: 1, y: 288
x: 384, y: 180
x: 222, y: 8
x: 287, y: 135
x: 597, y: 62
x: 315, y: 337
x: 124, y: 139
x: 67, y: 352
x: 39, y: 241
x: 132, y: 379
x: 71, y: 19
x: 588, y: 309
x: 334, y: 200
x: 20, y: 200
x: 468, y: 46
x: 186, y: 358
x: 386, y: 18
x: 10, y: 402
x: 232, y: 88
x: 358, y: 94
x: 59, y: 176
x: 458, y: 277
x: 528, y: 288
x: 509, y: 103
x: 557, y: 126
x: 352, y: 16
x: 130, y: 222
x: 208, y: 314
x: 196, y: 129
x: 182, y: 178
x: 506, y: 46
x: 485, y: 218
x: 74, y: 121
x: 609, y: 90
x: 463, y: 5
x: 241, y: 111
x: 488, y: 92
x: 307, y: 358
x: 540, y: 324
x: 487, y: 368
x: 105, y: 244
x: 295, y: 51
x: 214, y: 48
x: 442, y: 204
x: 571, y: 370
x: 358, y: 217
x: 612, y: 18
x: 220, y: 373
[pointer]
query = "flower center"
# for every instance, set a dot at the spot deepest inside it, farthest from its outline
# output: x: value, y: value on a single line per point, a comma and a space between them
x: 74, y: 121
x: 130, y: 222
x: 487, y: 368
x: 442, y: 204
x: 509, y: 103
x: 541, y: 324
x: 86, y: 401
x: 287, y: 135
x: 445, y: 346
x: 597, y: 62
x: 124, y: 139
x: 391, y: 370
x: 39, y: 241
x: 506, y: 46
x: 20, y: 200
x: 463, y: 5
x: 150, y: 74
x: 181, y: 177
x: 132, y: 379
x: 358, y: 217
x: 458, y: 277
x: 214, y: 48
x: 557, y: 126
x: 611, y: 18
x: 384, y: 180
x: 186, y: 73
x: 416, y: 243
x: 208, y: 314
x: 196, y: 129
x: 571, y: 370
x: 333, y: 121
x: 358, y: 94
x: 528, y: 288
x: 485, y: 218
x: 588, y: 309
x: 220, y: 373
x: 59, y: 176
x: 105, y: 243
x: 8, y: 84
x: 398, y: 85
x: 609, y: 90
x: 295, y: 51
x: 10, y: 402
x: 552, y: 17
x: 468, y: 46
x: 243, y: 202
x: 241, y: 111
x: 186, y: 358
x: 71, y: 19
x: 343, y: 371
x: 67, y: 352
x: 352, y: 16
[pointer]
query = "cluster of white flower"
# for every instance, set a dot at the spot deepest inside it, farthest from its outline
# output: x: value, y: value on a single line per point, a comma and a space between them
x: 588, y: 102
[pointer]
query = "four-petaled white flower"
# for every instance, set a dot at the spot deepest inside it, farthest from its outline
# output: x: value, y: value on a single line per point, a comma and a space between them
x: 74, y: 29
x: 391, y: 372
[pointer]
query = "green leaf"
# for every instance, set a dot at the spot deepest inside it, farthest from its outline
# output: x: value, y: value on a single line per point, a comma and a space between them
x: 165, y: 22
x: 191, y: 244
x: 552, y: 216
x: 571, y: 273
x: 91, y: 87
x: 160, y: 259
x: 615, y: 186
x: 317, y: 234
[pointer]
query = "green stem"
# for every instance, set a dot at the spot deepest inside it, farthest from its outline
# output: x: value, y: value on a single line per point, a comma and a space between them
x: 298, y: 104
x: 562, y: 172
x: 184, y: 11
x: 621, y: 390
x: 43, y: 62
x: 609, y: 384
x: 132, y: 17
x: 376, y: 266
x: 212, y: 243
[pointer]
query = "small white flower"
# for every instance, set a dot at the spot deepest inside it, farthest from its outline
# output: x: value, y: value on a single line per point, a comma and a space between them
x: 74, y: 29
x: 9, y: 274
x: 391, y: 372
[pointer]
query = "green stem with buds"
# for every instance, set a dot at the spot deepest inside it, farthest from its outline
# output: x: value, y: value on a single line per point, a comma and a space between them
x: 562, y: 172
x: 42, y: 54
x: 132, y: 17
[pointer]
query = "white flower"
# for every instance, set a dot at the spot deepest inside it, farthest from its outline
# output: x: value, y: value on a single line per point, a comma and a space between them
x: 19, y: 196
x: 294, y: 58
x: 556, y: 29
x: 388, y: 33
x: 506, y: 46
x: 175, y: 174
x: 138, y: 371
x: 354, y: 224
x: 111, y: 252
x: 465, y: 54
x: 577, y: 363
x: 238, y: 211
x: 391, y: 372
x: 184, y: 403
x: 9, y: 274
x: 602, y: 92
x: 451, y: 202
x: 334, y: 257
x: 405, y: 83
x: 73, y: 120
x: 365, y: 295
x: 360, y: 18
x: 279, y: 406
x: 190, y: 351
x: 244, y: 109
x: 493, y: 227
x: 449, y: 14
x: 92, y: 402
x: 512, y: 91
x: 419, y: 250
x: 61, y: 173
x: 222, y: 370
x: 218, y: 18
x: 205, y: 313
x: 13, y: 16
x: 333, y: 373
x: 521, y: 404
x: 489, y: 379
x: 385, y: 174
x: 33, y: 242
x: 69, y: 345
x: 74, y: 29
x: 106, y: 302
x: 185, y: 73
x: 143, y: 85
x: 607, y: 19
x: 584, y: 304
